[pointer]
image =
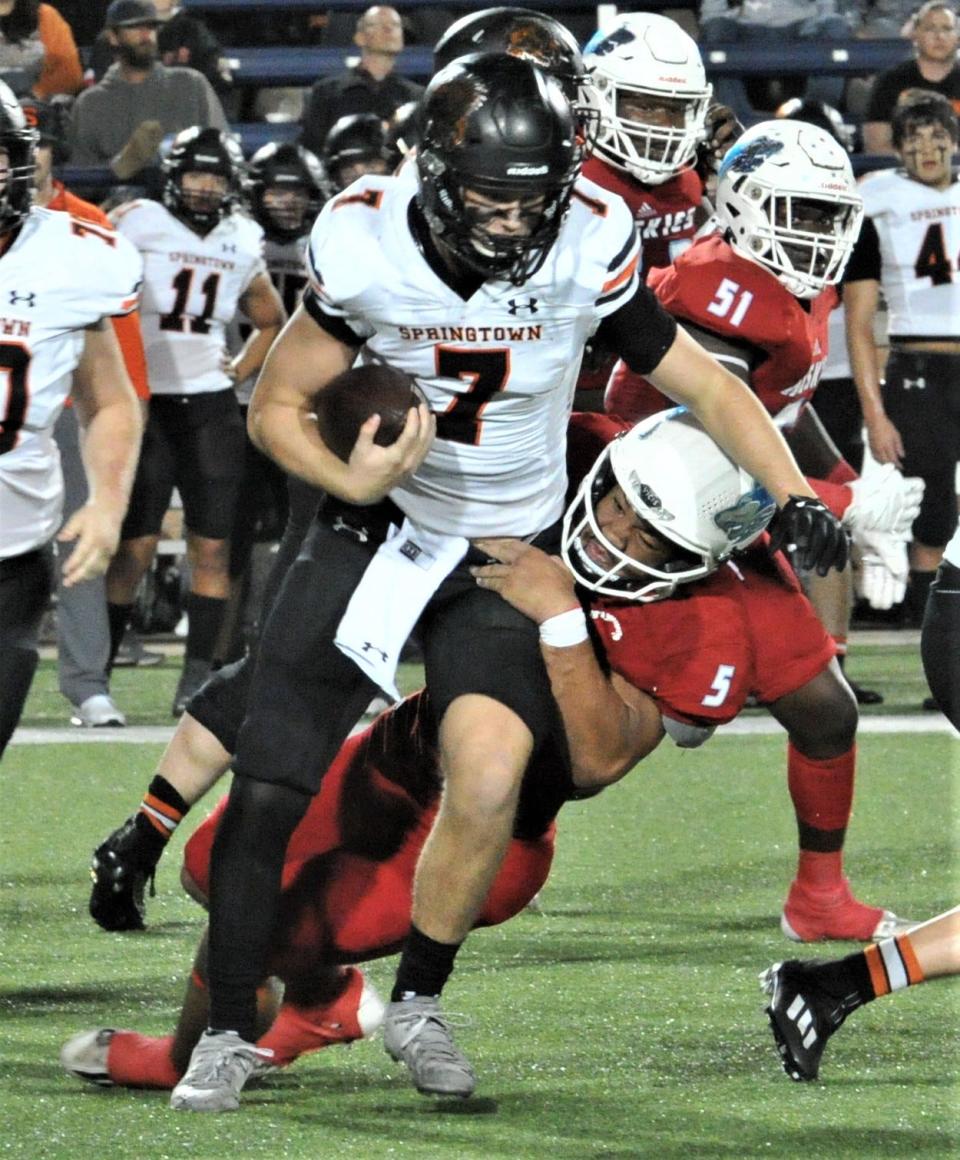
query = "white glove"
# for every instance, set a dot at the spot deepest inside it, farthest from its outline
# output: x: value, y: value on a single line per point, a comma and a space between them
x: 883, y: 571
x: 884, y: 500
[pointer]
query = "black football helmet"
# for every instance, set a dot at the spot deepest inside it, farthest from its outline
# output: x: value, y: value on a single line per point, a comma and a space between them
x: 19, y: 141
x: 197, y: 150
x: 286, y: 167
x: 498, y: 126
x: 531, y: 36
x: 360, y: 137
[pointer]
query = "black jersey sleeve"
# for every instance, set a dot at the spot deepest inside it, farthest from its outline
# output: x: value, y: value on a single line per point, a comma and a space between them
x: 640, y: 331
x: 334, y: 325
x: 865, y: 262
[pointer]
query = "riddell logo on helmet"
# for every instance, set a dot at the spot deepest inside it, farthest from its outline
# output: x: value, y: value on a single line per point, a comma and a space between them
x: 526, y: 170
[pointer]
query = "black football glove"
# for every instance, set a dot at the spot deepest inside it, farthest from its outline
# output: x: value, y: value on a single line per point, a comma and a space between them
x: 722, y: 129
x: 811, y: 534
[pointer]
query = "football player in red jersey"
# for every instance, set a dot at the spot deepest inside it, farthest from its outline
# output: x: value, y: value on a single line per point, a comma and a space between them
x: 758, y: 293
x: 680, y: 665
x: 658, y: 134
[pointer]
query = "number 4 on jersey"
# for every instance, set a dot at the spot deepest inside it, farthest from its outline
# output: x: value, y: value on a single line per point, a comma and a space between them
x: 932, y: 261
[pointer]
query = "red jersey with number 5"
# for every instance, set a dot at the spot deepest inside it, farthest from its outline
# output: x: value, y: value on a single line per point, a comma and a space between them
x: 784, y: 341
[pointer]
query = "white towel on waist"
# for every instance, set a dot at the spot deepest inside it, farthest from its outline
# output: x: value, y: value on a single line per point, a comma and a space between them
x: 393, y: 591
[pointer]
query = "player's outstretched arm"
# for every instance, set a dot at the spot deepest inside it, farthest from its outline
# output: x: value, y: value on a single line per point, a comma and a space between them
x: 610, y: 725
x: 110, y: 414
x: 281, y: 422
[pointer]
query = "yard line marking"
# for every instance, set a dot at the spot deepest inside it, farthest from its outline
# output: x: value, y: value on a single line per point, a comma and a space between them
x: 743, y: 726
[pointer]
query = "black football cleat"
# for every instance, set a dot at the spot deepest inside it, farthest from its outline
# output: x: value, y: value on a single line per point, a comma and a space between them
x: 120, y: 868
x: 802, y: 1016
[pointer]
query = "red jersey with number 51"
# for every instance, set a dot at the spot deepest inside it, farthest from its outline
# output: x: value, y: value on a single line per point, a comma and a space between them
x: 784, y: 341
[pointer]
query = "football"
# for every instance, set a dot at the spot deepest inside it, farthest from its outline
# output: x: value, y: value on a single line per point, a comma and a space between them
x: 347, y: 401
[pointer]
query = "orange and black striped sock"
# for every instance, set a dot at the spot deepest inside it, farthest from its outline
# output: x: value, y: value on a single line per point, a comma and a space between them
x: 877, y: 970
x: 893, y: 965
x: 161, y: 811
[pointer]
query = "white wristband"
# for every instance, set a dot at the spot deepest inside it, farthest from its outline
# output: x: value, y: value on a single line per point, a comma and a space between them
x: 564, y: 630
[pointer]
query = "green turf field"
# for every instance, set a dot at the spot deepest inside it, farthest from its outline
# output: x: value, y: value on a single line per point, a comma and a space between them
x: 623, y: 1022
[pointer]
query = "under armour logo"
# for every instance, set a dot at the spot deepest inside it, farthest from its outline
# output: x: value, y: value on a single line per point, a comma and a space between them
x: 514, y: 307
x: 228, y: 249
x: 368, y: 647
x: 30, y: 299
x: 920, y: 384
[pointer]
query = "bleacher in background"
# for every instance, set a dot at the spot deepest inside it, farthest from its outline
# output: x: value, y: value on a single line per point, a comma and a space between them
x: 256, y: 68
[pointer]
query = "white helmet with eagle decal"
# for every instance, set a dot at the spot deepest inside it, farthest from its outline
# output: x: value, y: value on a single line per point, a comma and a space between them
x: 686, y: 490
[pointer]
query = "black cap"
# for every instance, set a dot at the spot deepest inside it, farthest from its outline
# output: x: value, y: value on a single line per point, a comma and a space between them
x: 130, y: 13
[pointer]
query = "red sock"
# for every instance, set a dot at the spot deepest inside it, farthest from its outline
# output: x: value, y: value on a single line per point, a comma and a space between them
x: 137, y: 1060
x: 822, y: 794
x: 822, y: 791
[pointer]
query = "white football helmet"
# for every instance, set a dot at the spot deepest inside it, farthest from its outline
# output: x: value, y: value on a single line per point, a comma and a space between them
x: 772, y: 181
x: 645, y: 54
x: 685, y: 488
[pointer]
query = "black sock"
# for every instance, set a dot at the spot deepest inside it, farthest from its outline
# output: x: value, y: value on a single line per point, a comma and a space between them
x: 118, y: 617
x: 204, y: 617
x: 917, y: 593
x: 847, y: 980
x: 425, y: 966
x: 246, y: 868
x: 161, y: 811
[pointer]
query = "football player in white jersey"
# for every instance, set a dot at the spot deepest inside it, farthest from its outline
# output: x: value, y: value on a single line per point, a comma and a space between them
x: 60, y: 281
x: 909, y: 248
x: 483, y: 280
x: 202, y: 261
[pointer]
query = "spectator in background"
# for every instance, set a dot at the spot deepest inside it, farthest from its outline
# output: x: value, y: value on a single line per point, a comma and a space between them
x: 771, y: 23
x: 371, y: 86
x: 121, y: 121
x: 183, y: 39
x: 886, y: 18
x: 38, y: 54
x: 935, y: 39
x: 83, y: 633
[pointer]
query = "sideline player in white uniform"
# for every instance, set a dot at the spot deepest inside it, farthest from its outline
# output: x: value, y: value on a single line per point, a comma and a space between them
x: 60, y: 279
x: 484, y: 282
x: 909, y: 248
x: 202, y: 260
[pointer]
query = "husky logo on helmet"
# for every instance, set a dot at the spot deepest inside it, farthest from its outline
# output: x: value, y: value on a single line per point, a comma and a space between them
x: 198, y: 150
x: 19, y: 141
x: 747, y: 519
x: 748, y: 158
x: 622, y: 35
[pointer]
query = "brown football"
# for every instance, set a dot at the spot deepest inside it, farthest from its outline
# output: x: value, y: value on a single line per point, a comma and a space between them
x: 347, y: 401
